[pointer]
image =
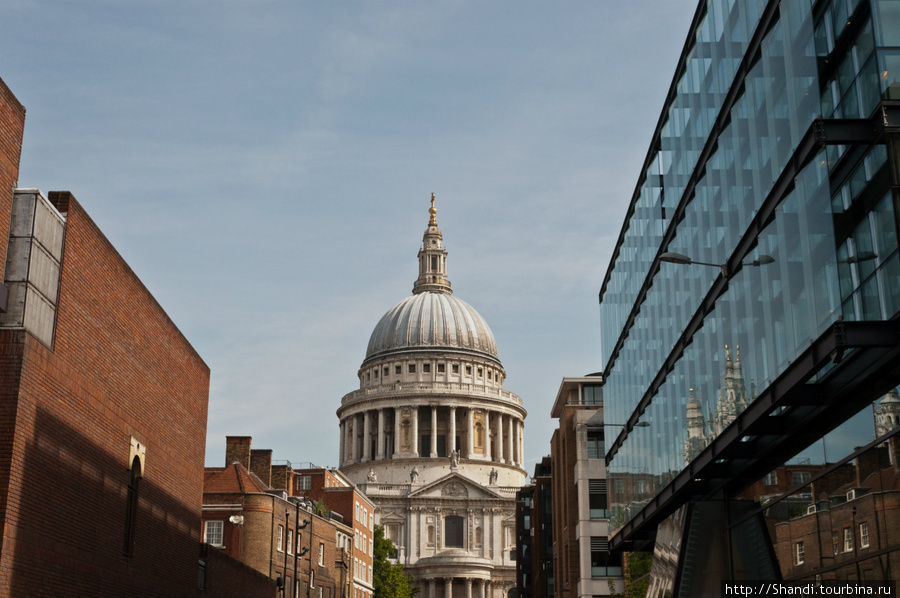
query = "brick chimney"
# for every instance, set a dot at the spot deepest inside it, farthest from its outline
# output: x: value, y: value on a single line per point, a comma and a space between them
x: 261, y: 464
x: 237, y: 449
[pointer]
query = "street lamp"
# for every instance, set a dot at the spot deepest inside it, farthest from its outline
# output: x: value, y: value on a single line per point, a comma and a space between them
x: 678, y: 258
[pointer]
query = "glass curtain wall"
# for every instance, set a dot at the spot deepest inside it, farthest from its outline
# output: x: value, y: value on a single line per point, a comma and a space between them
x: 829, y: 253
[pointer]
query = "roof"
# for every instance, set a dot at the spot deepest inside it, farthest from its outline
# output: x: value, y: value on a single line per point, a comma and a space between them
x: 436, y: 321
x: 234, y: 479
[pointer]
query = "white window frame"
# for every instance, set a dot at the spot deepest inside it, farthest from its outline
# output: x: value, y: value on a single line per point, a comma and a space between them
x: 799, y: 553
x: 848, y: 539
x: 221, y: 532
x: 864, y: 535
x: 279, y: 545
x: 321, y: 554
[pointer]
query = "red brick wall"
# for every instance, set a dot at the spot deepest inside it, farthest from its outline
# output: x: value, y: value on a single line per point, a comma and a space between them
x: 12, y: 126
x: 227, y: 578
x: 119, y: 368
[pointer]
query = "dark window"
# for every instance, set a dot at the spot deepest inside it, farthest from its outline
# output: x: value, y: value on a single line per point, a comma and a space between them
x: 426, y: 367
x: 598, y: 499
x: 398, y: 370
x: 440, y: 368
x: 412, y: 368
x: 468, y: 370
x: 131, y: 506
x: 385, y: 370
x: 453, y: 531
x: 455, y: 368
x: 593, y: 394
x: 595, y: 446
x: 433, y: 262
x: 604, y: 564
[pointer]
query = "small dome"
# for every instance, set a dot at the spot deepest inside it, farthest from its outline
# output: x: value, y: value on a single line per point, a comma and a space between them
x: 432, y: 320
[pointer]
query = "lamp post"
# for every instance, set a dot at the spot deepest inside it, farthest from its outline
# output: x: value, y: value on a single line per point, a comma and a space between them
x: 678, y: 258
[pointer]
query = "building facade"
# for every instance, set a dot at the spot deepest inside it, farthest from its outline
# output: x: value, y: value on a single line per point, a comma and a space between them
x: 308, y: 527
x: 534, y: 528
x: 750, y: 310
x: 103, y: 407
x: 435, y: 440
x: 582, y: 564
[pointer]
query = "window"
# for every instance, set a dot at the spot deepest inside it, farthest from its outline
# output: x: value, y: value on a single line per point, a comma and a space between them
x: 212, y: 532
x: 848, y: 539
x: 321, y: 554
x: 290, y: 541
x: 453, y: 531
x: 800, y: 477
x: 595, y: 447
x: 771, y: 479
x: 398, y: 369
x: 468, y: 370
x: 440, y: 368
x: 385, y: 370
x: 863, y: 535
x: 280, y: 541
x: 305, y: 482
x: 131, y: 504
x: 375, y: 373
x: 455, y: 368
x: 433, y: 263
x: 412, y: 368
x: 426, y: 367
x: 598, y: 500
x: 480, y: 372
x: 799, y: 553
x: 371, y: 546
x: 593, y: 394
x: 604, y: 564
x: 835, y: 542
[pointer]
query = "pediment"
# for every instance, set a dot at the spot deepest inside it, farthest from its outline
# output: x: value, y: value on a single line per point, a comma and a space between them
x: 454, y: 486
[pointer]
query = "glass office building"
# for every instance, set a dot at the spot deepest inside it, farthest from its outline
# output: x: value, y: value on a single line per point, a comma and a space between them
x: 750, y: 310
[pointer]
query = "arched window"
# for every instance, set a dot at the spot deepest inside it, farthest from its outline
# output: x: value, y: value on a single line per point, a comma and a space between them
x: 131, y: 505
x: 453, y: 531
x: 479, y: 435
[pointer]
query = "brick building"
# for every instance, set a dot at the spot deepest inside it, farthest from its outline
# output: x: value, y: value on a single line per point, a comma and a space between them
x: 534, y: 530
x: 103, y: 406
x: 278, y: 520
x: 582, y: 563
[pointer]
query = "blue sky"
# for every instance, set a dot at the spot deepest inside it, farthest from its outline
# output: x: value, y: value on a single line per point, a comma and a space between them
x: 265, y: 167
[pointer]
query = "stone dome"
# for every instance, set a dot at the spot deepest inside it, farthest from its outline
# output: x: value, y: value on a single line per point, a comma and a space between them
x: 430, y: 320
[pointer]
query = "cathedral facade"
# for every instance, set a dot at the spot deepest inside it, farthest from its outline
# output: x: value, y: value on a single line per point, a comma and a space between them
x: 434, y: 439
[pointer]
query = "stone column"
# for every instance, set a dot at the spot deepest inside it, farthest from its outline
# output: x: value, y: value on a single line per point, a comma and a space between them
x: 521, y: 442
x: 468, y: 587
x: 448, y: 587
x: 470, y: 434
x: 452, y: 429
x: 367, y: 438
x: 512, y: 441
x: 415, y: 430
x: 396, y: 432
x: 500, y: 438
x: 341, y: 449
x: 433, y: 431
x: 431, y: 592
x: 487, y: 435
x: 379, y: 449
x: 485, y: 588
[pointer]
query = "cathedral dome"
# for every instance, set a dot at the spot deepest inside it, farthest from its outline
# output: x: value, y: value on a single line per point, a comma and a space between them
x: 431, y: 320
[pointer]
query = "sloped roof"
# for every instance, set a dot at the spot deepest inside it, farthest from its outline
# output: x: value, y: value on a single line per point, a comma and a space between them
x: 234, y: 479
